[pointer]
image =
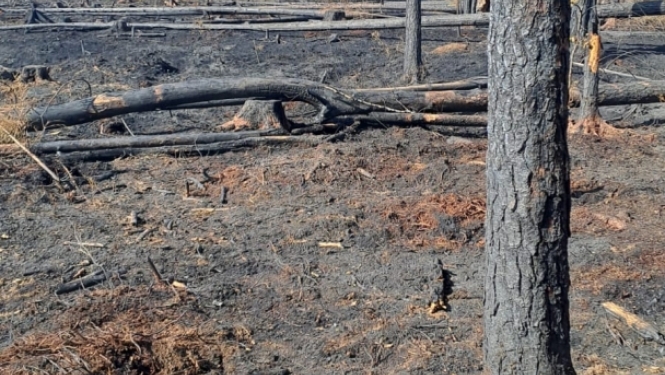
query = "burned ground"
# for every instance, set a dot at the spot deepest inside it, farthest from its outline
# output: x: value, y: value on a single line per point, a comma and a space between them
x: 321, y: 259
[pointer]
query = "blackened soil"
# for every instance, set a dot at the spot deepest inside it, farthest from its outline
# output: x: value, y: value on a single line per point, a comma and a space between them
x: 321, y: 260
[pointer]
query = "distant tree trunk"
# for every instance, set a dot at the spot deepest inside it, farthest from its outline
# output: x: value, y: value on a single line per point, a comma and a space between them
x: 412, y: 51
x: 526, y: 317
x: 590, y: 121
x: 469, y: 6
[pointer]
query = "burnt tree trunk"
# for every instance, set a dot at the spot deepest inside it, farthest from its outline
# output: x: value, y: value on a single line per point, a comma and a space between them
x: 469, y: 6
x: 412, y: 50
x: 589, y: 116
x: 526, y: 318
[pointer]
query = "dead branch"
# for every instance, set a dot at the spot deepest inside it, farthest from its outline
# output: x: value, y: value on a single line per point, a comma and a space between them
x: 187, y: 150
x: 54, y: 177
x: 147, y: 141
x: 641, y: 327
x: 329, y: 101
x: 91, y: 280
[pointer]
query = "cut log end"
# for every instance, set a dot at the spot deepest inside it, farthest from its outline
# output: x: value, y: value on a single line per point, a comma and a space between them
x: 259, y: 115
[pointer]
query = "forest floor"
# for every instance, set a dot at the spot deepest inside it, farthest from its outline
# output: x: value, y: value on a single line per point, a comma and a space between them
x: 322, y: 260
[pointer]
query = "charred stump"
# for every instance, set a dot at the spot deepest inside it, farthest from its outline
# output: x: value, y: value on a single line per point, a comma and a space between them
x: 259, y: 115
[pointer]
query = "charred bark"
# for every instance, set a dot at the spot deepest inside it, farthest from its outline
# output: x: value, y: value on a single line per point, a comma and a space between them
x: 526, y: 308
x: 329, y: 101
x: 413, y: 60
x: 590, y: 117
x: 259, y: 114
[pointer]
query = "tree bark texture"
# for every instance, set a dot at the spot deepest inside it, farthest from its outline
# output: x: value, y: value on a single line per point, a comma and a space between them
x: 593, y: 46
x: 412, y: 50
x: 468, y: 6
x: 526, y: 318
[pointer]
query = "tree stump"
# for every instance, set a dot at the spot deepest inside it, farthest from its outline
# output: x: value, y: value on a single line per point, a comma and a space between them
x: 334, y: 15
x: 259, y: 115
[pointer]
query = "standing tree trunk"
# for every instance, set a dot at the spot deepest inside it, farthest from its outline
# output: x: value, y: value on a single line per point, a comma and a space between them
x: 589, y: 120
x: 412, y: 51
x: 526, y: 318
x: 469, y: 6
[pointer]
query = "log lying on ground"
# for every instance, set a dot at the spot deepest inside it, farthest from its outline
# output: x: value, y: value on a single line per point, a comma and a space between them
x: 330, y: 102
x: 188, y: 150
x: 237, y: 138
x: 312, y: 10
x: 428, y: 101
x: 147, y: 141
x: 480, y: 19
x: 184, y: 11
x: 625, y: 10
x: 78, y: 26
x: 622, y: 10
x: 417, y: 119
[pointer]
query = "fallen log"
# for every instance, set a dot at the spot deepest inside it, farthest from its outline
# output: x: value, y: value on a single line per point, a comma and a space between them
x: 364, y: 24
x: 147, y: 141
x: 625, y: 10
x: 428, y: 101
x: 480, y: 19
x: 330, y: 102
x: 187, y: 150
x: 185, y: 11
x: 464, y: 84
x: 227, y: 138
x: 417, y: 119
x: 78, y: 26
x: 627, y: 93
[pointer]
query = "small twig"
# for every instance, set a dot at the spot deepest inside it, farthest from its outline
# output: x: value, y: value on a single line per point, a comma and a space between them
x: 55, y: 178
x: 608, y: 71
x: 71, y: 176
x: 156, y: 273
x: 86, y: 244
x: 127, y: 127
x: 144, y: 234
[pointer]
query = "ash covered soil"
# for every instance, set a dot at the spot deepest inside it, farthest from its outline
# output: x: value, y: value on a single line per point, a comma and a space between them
x: 322, y: 260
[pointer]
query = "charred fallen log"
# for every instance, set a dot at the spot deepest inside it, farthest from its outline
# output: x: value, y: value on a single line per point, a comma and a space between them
x: 329, y: 101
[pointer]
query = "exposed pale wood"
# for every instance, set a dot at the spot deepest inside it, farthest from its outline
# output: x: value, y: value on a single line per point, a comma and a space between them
x: 637, y: 324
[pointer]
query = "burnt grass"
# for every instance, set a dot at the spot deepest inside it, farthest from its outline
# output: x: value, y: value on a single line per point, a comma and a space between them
x: 321, y: 260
